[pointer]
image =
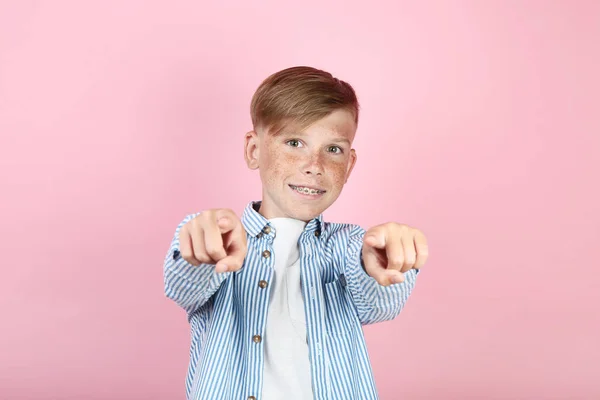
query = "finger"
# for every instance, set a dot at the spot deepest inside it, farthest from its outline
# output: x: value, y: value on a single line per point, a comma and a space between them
x: 422, y: 249
x: 225, y: 224
x: 410, y: 254
x: 375, y: 238
x: 226, y: 220
x: 185, y: 246
x: 229, y: 264
x: 394, y: 276
x: 236, y: 247
x: 198, y: 246
x: 213, y: 241
x: 395, y: 254
x: 374, y: 267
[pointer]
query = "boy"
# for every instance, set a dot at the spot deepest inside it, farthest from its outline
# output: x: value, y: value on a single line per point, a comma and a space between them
x: 277, y: 300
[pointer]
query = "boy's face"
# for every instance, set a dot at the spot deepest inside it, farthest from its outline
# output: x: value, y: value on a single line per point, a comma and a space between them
x: 303, y: 172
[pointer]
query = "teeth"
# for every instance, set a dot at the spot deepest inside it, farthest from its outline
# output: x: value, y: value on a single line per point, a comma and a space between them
x: 305, y: 190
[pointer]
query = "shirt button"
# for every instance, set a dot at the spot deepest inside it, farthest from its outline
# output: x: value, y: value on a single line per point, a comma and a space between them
x: 266, y: 254
x: 267, y: 229
x: 263, y: 284
x: 317, y: 233
x: 343, y: 280
x: 256, y: 339
x: 251, y: 398
x: 176, y: 255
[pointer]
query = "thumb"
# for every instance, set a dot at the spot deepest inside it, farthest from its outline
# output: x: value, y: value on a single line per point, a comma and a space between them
x: 230, y: 263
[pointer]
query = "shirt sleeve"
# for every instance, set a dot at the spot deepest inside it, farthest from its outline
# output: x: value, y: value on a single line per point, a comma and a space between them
x: 374, y: 302
x: 188, y: 285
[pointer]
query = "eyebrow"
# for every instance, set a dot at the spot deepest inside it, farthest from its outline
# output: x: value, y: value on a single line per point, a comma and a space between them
x: 283, y: 132
x: 342, y: 140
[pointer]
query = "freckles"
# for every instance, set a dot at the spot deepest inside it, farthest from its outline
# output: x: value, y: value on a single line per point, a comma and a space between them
x: 276, y: 168
x: 274, y: 172
x: 338, y: 174
x: 286, y: 162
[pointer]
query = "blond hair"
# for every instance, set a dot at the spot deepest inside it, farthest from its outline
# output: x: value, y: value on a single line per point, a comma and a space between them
x: 300, y: 96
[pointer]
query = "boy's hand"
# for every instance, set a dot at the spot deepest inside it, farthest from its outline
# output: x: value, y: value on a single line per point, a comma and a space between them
x: 214, y: 237
x: 391, y: 249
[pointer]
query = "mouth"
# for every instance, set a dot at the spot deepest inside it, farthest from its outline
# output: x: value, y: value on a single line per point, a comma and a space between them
x: 307, y: 190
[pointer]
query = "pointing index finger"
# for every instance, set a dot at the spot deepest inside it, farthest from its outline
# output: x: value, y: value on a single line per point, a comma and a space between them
x: 227, y: 220
x: 375, y: 238
x: 236, y: 248
x: 212, y: 238
x: 395, y: 254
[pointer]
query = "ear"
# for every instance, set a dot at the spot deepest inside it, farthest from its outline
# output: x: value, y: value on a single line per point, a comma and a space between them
x: 251, y: 142
x: 351, y: 163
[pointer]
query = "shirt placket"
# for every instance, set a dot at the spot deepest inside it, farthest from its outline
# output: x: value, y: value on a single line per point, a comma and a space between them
x: 263, y: 281
x: 310, y: 271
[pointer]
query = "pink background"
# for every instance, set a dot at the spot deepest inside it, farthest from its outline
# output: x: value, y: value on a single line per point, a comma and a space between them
x: 480, y: 125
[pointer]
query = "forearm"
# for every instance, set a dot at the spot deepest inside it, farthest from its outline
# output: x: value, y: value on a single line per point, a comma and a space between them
x: 374, y: 302
x: 188, y: 285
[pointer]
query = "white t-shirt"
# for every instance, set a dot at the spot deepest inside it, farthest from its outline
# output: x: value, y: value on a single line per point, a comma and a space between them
x: 287, y: 367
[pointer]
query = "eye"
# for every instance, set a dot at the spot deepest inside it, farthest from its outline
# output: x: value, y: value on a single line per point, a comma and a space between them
x: 293, y: 143
x: 335, y: 149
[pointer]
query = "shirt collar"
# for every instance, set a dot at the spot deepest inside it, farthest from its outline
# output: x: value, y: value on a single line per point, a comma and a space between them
x: 255, y: 223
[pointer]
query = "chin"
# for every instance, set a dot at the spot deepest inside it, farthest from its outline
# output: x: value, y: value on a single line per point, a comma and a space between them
x: 306, y: 214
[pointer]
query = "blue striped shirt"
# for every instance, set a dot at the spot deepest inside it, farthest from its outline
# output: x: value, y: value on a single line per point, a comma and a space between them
x: 228, y: 312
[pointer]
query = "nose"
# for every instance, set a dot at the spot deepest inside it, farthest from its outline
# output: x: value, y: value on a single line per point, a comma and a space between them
x: 313, y: 164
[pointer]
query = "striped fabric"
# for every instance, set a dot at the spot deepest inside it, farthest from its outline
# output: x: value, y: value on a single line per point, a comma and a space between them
x: 228, y: 312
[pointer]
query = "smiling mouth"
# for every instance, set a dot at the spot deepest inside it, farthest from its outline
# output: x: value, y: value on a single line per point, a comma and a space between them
x: 307, y: 190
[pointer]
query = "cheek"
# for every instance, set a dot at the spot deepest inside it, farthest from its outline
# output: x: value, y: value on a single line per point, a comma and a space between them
x: 280, y: 161
x: 338, y: 172
x: 339, y: 176
x: 276, y: 164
